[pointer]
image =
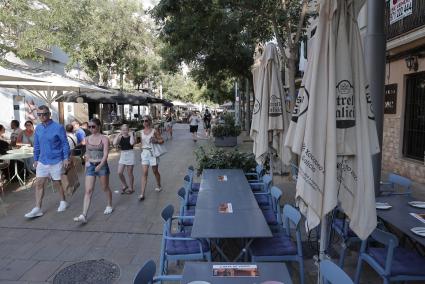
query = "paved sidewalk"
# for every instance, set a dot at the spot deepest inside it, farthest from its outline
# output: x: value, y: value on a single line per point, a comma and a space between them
x: 33, y: 251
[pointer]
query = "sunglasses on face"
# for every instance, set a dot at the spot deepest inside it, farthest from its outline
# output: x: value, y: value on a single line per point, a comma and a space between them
x: 92, y: 126
x: 42, y: 114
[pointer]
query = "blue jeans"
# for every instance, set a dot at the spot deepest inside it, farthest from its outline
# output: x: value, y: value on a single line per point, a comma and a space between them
x: 104, y: 170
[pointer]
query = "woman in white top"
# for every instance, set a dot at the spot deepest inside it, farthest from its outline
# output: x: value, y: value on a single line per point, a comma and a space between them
x: 194, y: 121
x: 125, y: 140
x: 149, y: 137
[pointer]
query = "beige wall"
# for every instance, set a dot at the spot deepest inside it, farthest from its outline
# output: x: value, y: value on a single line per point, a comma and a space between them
x: 392, y: 155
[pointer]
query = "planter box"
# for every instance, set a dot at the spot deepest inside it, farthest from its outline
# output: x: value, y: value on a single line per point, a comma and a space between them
x: 227, y: 141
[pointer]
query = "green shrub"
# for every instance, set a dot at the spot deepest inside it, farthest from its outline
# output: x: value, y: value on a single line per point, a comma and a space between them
x: 215, y: 158
x: 228, y: 128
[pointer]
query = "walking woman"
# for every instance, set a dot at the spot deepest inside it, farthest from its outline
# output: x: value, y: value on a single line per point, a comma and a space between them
x: 125, y: 140
x: 150, y: 136
x: 96, y: 163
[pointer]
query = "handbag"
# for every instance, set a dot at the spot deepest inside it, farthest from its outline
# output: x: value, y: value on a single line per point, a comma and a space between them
x: 158, y: 150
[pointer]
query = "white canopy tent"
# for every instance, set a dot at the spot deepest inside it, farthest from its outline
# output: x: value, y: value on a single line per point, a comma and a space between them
x: 12, y: 75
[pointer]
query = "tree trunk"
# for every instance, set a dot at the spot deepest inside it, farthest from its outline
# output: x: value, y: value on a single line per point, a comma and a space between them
x: 248, y: 107
x: 292, y: 71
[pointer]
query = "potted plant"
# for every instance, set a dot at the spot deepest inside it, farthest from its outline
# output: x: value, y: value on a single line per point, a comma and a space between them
x: 226, y: 134
x: 215, y: 158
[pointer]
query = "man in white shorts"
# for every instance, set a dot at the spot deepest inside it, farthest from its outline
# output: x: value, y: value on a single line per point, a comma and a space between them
x: 51, y: 157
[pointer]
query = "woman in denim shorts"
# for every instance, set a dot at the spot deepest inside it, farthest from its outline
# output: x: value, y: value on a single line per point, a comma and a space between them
x: 97, y: 150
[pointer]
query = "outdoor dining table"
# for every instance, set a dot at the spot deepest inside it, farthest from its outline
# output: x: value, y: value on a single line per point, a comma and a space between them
x: 399, y: 217
x: 203, y: 271
x: 246, y: 222
x: 18, y: 155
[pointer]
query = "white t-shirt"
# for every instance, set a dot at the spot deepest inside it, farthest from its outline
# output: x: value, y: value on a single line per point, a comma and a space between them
x: 194, y: 120
x: 72, y: 140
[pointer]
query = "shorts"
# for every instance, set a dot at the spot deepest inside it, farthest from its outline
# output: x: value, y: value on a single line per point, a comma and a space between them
x: 90, y: 170
x: 127, y: 158
x: 193, y: 128
x: 169, y: 124
x: 54, y: 171
x: 207, y: 124
x: 148, y: 159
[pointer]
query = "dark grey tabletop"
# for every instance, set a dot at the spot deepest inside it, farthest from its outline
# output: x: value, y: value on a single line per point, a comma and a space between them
x: 246, y: 221
x: 399, y: 216
x: 203, y: 271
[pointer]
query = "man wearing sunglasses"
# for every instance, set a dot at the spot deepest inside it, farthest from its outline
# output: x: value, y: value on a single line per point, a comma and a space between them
x: 51, y: 156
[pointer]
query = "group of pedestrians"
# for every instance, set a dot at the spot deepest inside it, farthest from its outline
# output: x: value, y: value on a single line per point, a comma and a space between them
x: 195, y: 120
x: 52, y: 159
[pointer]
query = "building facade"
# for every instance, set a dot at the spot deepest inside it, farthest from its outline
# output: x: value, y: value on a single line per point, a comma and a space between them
x: 403, y: 148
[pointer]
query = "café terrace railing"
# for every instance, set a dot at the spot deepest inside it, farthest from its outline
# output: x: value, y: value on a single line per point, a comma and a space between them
x: 407, y: 24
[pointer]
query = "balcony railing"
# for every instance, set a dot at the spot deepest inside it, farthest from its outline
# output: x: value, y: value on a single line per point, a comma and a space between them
x: 409, y: 23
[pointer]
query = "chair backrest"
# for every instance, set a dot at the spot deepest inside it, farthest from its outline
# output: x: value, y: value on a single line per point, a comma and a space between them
x: 389, y: 240
x: 146, y: 273
x: 333, y: 274
x: 276, y: 195
x: 190, y: 172
x: 294, y: 171
x: 187, y: 184
x: 267, y: 179
x: 259, y: 169
x: 292, y: 215
x: 167, y: 212
x: 404, y: 182
x: 182, y: 193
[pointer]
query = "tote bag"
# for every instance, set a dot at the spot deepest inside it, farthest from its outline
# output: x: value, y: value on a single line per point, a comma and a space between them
x: 158, y: 150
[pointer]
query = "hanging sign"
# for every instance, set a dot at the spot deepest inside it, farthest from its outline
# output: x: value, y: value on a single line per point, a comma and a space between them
x: 390, y: 102
x: 400, y: 9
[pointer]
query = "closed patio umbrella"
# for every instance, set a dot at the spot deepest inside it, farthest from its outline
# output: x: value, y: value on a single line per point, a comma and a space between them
x: 269, y: 120
x: 332, y: 128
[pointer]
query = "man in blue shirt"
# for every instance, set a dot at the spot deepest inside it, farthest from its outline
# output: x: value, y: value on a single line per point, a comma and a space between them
x: 51, y: 156
x: 81, y: 142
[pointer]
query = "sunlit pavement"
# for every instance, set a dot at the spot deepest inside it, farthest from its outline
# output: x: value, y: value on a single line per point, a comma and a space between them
x: 33, y: 251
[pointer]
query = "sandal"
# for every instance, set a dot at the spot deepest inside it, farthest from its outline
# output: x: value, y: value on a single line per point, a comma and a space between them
x: 141, y: 197
x: 129, y: 191
x: 124, y: 190
x: 81, y: 219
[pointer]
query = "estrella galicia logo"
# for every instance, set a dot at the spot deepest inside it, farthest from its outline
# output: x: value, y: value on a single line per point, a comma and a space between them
x: 275, y: 106
x: 370, y: 112
x: 257, y: 106
x: 345, y: 114
x: 301, y: 104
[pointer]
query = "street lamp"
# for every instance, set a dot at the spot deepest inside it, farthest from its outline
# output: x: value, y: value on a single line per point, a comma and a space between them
x: 412, y: 62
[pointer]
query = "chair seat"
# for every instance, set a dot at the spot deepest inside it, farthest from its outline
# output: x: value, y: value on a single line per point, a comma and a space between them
x: 195, y: 187
x: 192, y: 199
x: 257, y: 187
x: 188, y: 212
x: 339, y: 223
x: 262, y: 199
x: 270, y: 217
x: 278, y: 245
x: 405, y: 262
x: 176, y: 247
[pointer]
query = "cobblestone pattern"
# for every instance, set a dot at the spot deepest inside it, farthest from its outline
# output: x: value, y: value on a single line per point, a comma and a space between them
x: 392, y: 159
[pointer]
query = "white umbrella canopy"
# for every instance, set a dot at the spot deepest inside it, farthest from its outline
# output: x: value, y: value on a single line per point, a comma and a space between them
x: 333, y: 128
x: 12, y: 75
x: 269, y: 120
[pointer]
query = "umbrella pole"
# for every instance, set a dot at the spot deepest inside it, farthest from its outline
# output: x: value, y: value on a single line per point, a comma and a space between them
x: 322, y: 248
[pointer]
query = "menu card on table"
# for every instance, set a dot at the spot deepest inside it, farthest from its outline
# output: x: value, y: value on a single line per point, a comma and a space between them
x: 230, y: 270
x: 222, y: 178
x: 225, y: 208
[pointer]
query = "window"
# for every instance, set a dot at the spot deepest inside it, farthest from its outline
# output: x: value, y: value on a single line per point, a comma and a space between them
x: 414, y: 119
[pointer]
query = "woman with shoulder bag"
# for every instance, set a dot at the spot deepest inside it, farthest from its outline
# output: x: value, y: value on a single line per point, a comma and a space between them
x: 150, y: 137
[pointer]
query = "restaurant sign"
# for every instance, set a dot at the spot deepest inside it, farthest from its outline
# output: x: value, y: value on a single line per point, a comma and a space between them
x: 400, y: 9
x: 390, y: 102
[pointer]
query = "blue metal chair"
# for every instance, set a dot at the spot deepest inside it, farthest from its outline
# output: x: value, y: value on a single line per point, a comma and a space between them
x: 282, y: 247
x: 332, y: 274
x: 179, y: 245
x: 257, y: 175
x: 191, y: 173
x: 146, y: 275
x: 294, y: 171
x: 272, y: 213
x: 391, y: 262
x: 261, y: 191
x: 190, y: 197
x: 395, y: 182
x: 340, y: 226
x: 185, y: 210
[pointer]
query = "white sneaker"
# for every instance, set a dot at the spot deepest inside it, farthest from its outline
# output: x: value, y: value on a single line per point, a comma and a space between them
x: 35, y: 212
x: 81, y: 219
x: 108, y: 210
x: 62, y: 206
x: 158, y: 189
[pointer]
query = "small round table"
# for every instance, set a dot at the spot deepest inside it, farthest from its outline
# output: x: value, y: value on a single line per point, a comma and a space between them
x: 18, y: 155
